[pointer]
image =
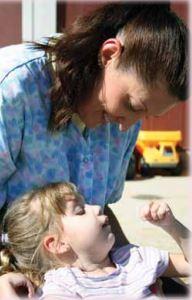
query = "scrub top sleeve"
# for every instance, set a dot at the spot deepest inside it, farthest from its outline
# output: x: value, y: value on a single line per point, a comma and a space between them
x: 118, y: 188
x: 11, y: 130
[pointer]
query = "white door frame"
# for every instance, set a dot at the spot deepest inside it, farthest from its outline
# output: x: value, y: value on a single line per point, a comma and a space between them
x: 38, y: 19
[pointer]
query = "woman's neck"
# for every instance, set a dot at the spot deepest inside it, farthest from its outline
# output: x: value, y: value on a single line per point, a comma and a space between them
x: 91, y: 110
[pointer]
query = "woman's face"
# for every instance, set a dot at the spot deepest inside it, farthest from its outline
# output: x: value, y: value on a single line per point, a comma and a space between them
x: 125, y: 99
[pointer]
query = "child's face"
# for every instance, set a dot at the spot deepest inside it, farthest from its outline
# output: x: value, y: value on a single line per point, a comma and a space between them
x: 86, y: 229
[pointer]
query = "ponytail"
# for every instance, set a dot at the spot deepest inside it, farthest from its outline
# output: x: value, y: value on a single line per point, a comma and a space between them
x: 7, y: 260
x: 8, y: 264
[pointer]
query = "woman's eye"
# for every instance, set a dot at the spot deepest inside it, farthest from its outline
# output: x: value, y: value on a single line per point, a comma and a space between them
x: 129, y: 106
x: 134, y: 107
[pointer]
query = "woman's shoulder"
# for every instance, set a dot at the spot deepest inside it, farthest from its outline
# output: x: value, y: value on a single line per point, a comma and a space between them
x: 16, y: 56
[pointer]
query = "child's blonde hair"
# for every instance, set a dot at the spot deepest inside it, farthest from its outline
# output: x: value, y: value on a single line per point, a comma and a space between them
x: 26, y: 222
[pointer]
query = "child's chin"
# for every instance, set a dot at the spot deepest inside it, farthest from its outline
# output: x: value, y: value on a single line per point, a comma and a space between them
x: 111, y: 239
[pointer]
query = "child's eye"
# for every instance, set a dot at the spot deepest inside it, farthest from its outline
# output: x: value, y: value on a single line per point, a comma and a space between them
x: 79, y: 210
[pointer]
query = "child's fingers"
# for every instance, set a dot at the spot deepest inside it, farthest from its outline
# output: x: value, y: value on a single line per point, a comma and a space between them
x: 145, y: 211
x: 162, y: 210
x: 21, y: 280
x: 30, y: 288
x: 159, y: 210
x: 154, y: 211
x: 157, y: 213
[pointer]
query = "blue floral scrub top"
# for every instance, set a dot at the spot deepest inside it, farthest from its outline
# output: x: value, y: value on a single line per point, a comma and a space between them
x: 31, y: 156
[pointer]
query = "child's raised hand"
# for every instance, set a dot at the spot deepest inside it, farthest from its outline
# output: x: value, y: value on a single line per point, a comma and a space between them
x: 157, y: 213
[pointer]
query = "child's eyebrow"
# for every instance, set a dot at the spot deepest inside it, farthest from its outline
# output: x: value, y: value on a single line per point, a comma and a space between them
x: 79, y: 200
x: 76, y: 199
x: 70, y: 197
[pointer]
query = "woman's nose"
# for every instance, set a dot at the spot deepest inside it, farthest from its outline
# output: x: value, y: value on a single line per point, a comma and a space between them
x: 126, y: 123
x: 123, y: 126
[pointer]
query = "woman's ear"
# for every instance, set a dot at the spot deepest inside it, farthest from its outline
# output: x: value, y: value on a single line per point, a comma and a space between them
x: 110, y: 50
x: 54, y: 245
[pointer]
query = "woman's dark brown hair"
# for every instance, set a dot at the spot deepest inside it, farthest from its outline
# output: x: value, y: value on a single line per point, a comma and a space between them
x: 155, y: 44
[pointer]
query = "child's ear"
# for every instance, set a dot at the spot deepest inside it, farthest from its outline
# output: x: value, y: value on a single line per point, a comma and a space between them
x: 53, y: 245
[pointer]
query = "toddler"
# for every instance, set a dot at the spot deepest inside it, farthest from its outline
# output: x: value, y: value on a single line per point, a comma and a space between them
x: 65, y: 247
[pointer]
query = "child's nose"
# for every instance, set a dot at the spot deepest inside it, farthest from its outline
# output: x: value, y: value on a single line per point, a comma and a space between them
x: 98, y: 210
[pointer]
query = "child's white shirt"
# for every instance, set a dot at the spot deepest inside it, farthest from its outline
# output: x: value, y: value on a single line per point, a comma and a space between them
x: 137, y: 268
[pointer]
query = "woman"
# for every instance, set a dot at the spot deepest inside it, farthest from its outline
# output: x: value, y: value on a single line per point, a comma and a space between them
x: 70, y: 108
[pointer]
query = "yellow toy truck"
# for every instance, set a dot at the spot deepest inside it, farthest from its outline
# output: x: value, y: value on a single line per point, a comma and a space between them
x: 156, y: 150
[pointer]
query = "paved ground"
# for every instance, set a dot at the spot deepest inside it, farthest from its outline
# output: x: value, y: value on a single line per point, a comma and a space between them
x: 174, y: 190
